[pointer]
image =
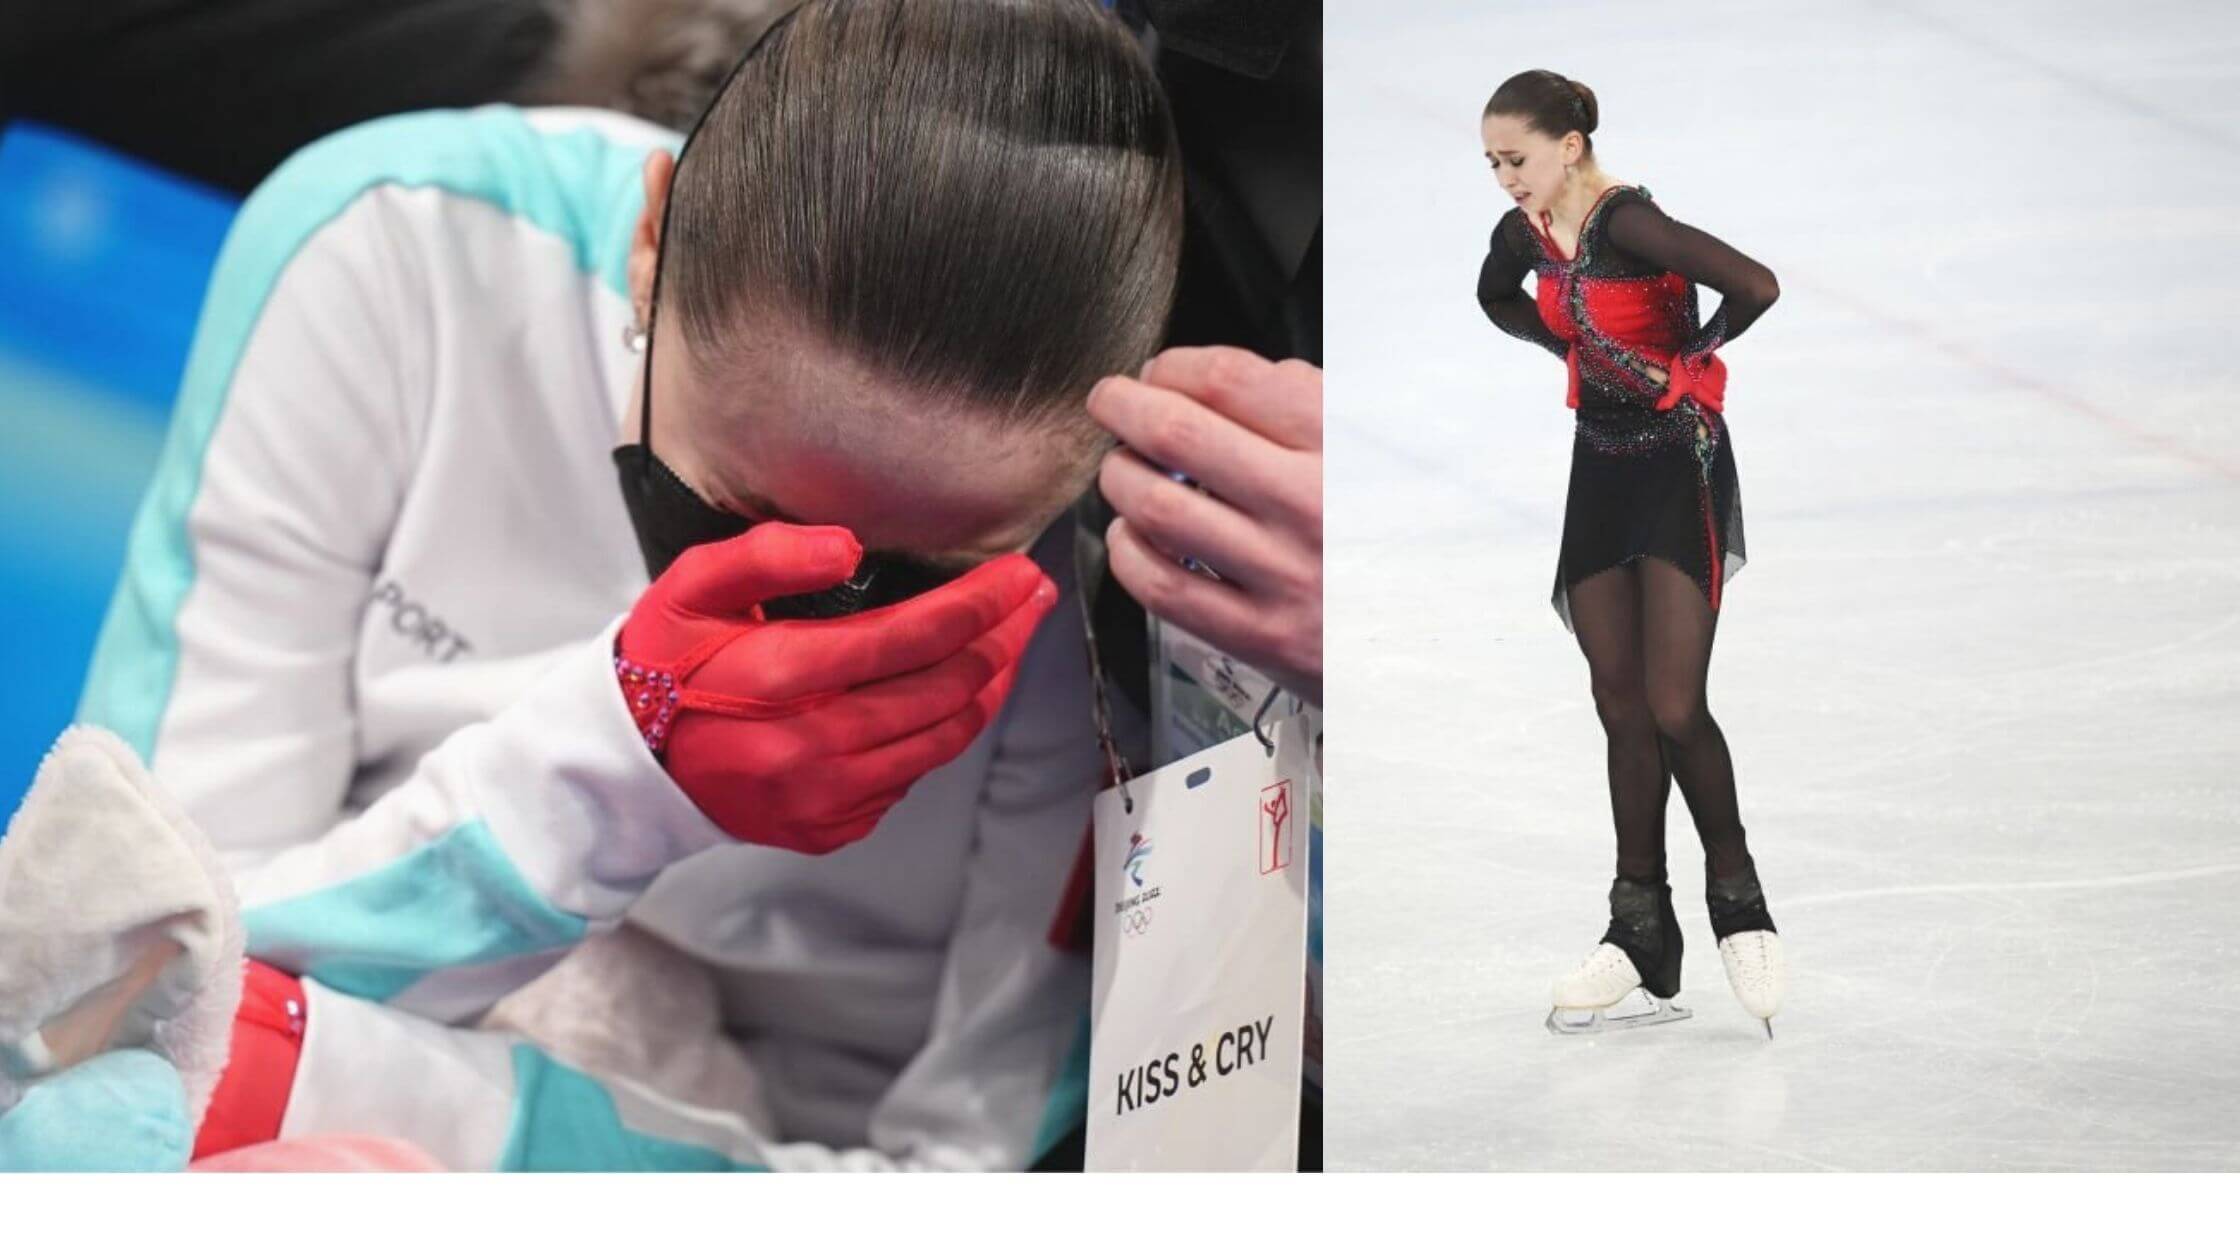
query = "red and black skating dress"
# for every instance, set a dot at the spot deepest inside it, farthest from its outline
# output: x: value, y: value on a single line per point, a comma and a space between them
x: 1652, y: 472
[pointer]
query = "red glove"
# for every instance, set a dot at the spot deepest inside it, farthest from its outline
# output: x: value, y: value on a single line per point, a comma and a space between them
x: 1706, y: 384
x: 802, y: 734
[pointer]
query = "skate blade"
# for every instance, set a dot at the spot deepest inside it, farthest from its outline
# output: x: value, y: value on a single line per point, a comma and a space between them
x: 1637, y: 1009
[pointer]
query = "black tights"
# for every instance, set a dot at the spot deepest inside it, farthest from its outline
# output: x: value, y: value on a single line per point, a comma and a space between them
x: 1646, y: 629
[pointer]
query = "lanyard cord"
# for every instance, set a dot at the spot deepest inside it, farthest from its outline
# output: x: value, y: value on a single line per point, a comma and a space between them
x: 1116, y: 765
x: 1261, y: 716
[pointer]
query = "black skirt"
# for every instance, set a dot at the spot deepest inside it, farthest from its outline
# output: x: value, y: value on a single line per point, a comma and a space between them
x: 1651, y: 484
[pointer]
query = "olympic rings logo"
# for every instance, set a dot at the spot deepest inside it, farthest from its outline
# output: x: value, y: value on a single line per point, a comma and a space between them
x: 1136, y: 922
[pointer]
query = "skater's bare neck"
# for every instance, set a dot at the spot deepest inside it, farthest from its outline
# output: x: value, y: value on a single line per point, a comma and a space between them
x: 1573, y: 203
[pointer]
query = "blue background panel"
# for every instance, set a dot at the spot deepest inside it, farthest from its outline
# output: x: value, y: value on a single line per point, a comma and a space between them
x: 103, y: 261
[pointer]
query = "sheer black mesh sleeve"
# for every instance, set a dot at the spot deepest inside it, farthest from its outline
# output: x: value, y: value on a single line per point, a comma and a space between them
x: 1745, y: 286
x: 1501, y: 286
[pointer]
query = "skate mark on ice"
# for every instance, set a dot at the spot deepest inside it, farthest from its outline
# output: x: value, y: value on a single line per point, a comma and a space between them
x: 2015, y: 379
x: 1793, y: 1157
x: 2125, y: 657
x: 2071, y: 78
x: 2043, y: 885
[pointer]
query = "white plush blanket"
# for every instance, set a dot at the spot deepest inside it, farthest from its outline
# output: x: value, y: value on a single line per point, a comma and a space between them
x: 98, y: 868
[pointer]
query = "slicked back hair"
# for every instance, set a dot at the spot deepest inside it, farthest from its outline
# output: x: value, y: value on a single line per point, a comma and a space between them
x: 978, y: 200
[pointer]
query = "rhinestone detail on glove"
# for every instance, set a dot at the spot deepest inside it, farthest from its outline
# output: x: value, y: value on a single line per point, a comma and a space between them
x: 652, y: 696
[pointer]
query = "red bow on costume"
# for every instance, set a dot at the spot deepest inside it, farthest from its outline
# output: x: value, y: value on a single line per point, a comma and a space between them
x: 1707, y: 384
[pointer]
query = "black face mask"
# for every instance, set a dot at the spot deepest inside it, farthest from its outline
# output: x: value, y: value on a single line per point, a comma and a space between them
x: 668, y: 517
x: 665, y: 513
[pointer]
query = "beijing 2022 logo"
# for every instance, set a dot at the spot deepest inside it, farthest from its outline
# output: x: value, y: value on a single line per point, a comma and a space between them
x: 1139, y: 850
x: 1134, y: 909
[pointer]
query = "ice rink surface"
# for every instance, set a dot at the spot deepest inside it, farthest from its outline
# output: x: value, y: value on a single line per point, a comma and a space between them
x: 1981, y: 675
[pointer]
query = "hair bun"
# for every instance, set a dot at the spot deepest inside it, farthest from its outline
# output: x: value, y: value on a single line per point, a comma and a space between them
x: 1589, y: 114
x: 1553, y: 105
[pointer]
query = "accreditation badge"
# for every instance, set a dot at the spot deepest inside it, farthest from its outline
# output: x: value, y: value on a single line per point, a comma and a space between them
x: 1198, y: 1007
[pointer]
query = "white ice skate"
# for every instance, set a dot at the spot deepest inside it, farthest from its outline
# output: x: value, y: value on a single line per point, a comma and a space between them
x: 1757, y: 972
x: 118, y: 924
x: 1605, y: 994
